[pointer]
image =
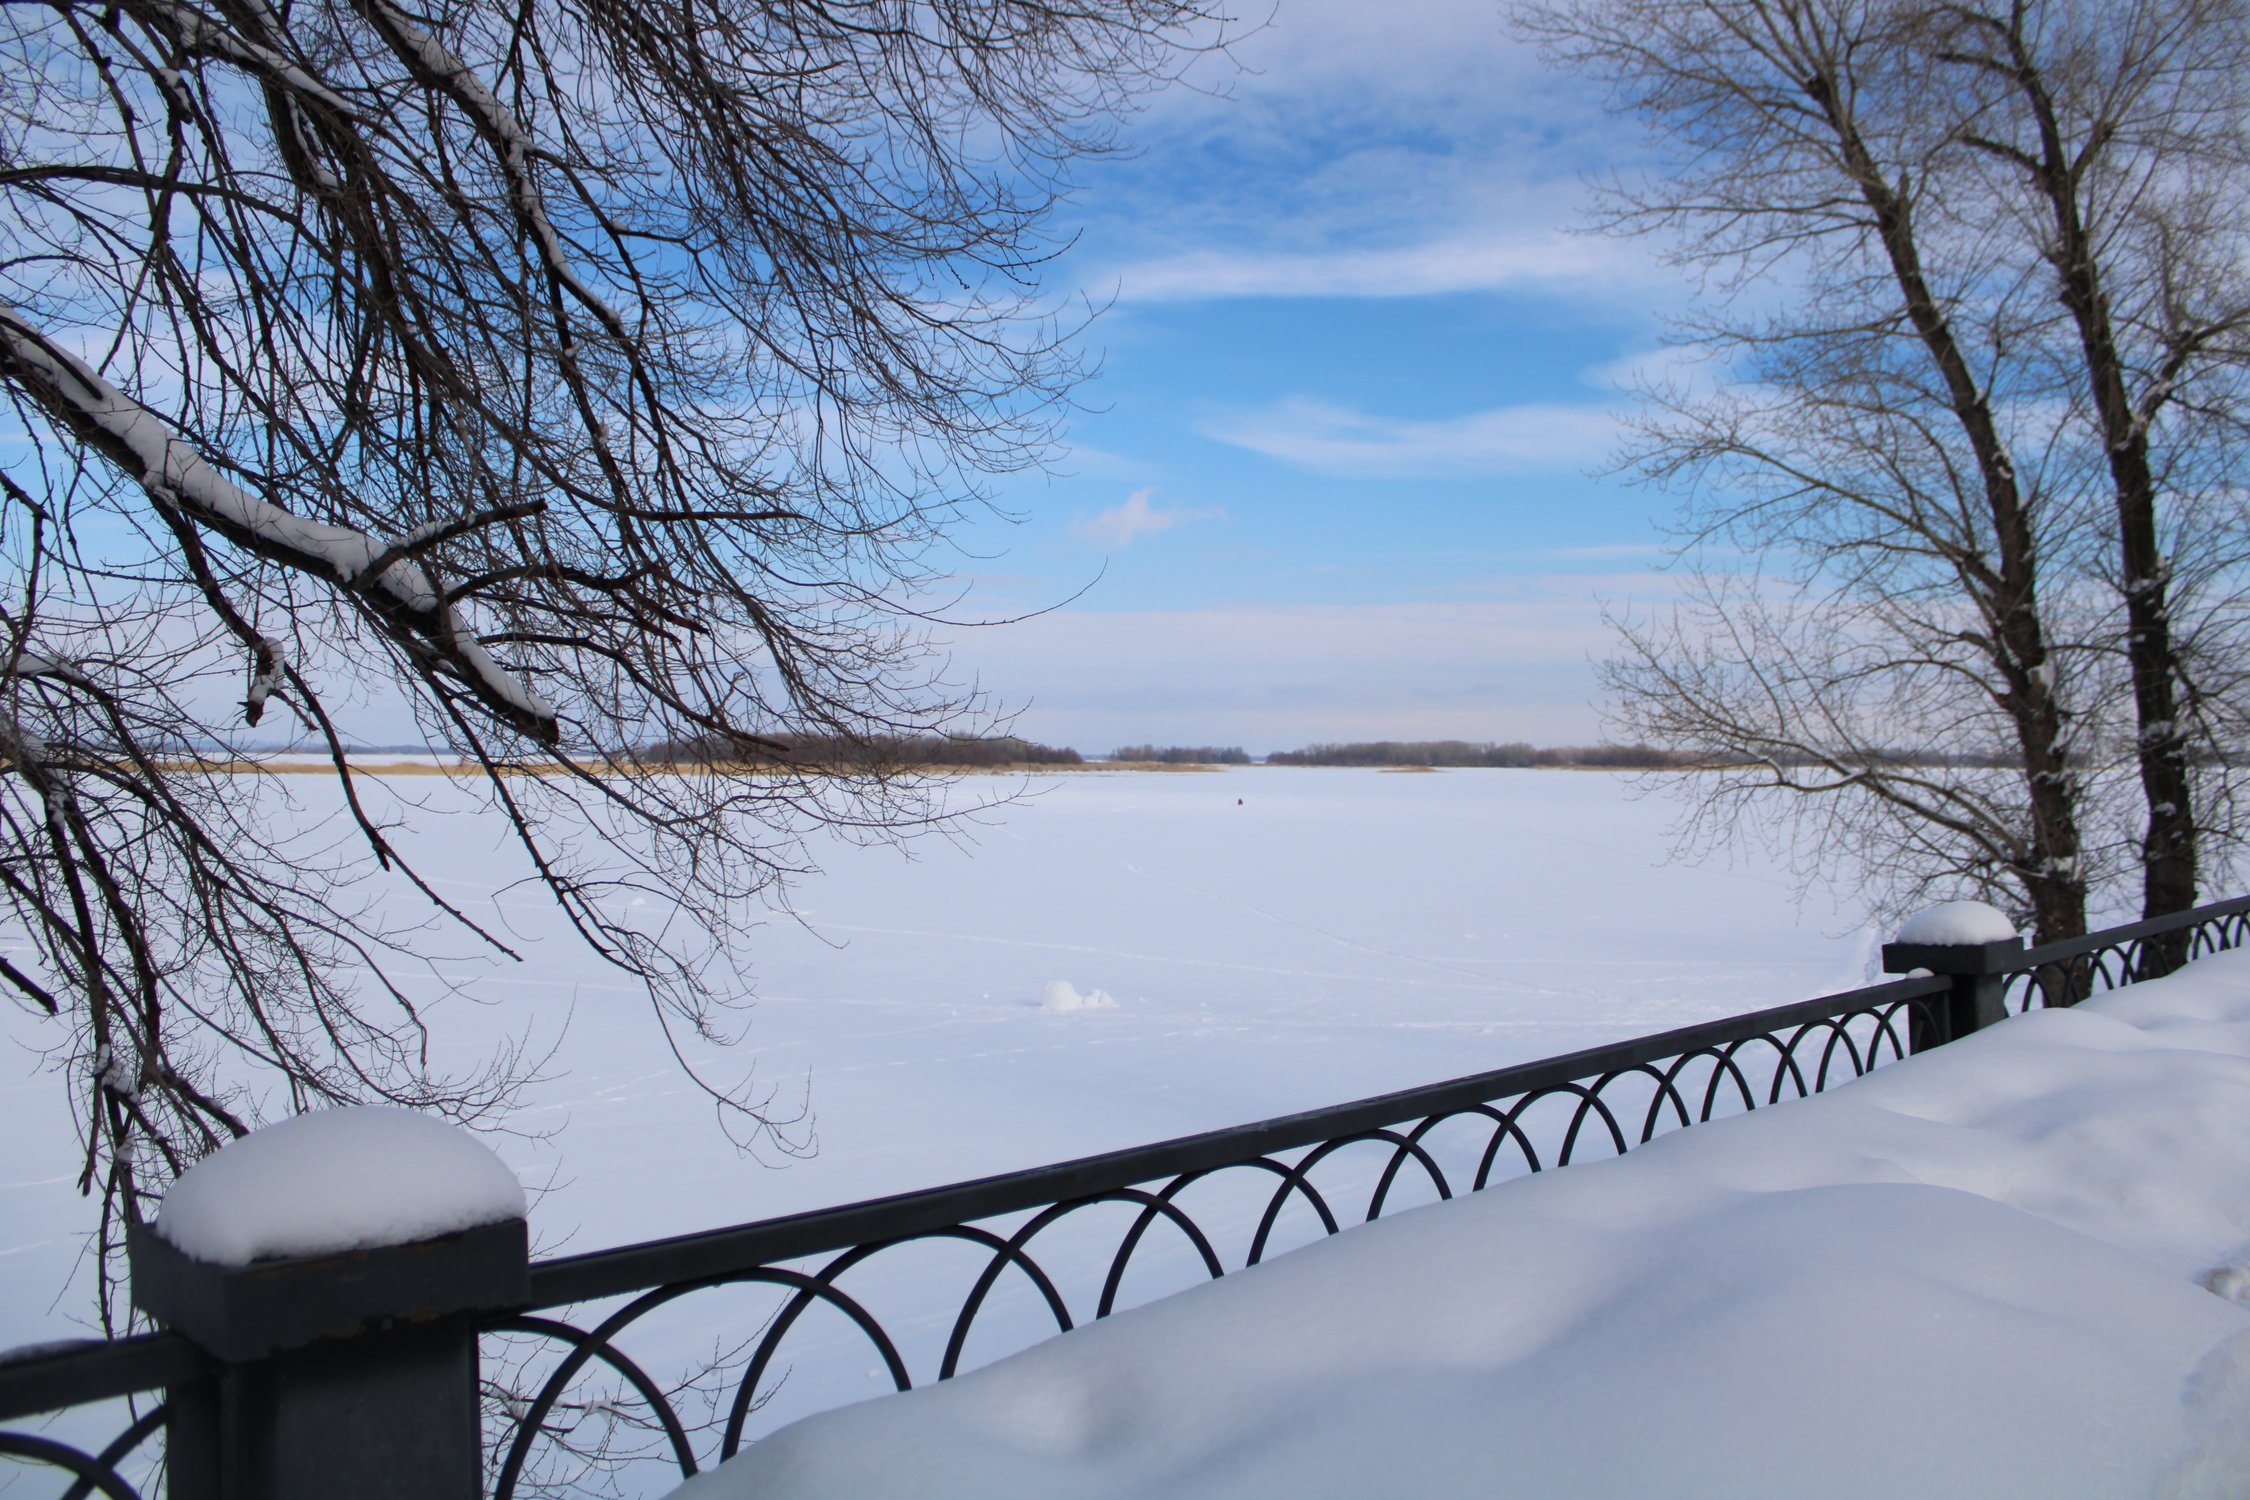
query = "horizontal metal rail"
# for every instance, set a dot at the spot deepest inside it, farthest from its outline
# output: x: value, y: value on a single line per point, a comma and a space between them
x: 2132, y: 933
x: 609, y: 1273
x: 84, y: 1372
x: 49, y: 1377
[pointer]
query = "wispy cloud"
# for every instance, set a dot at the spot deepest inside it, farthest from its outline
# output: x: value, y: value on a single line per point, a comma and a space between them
x: 1336, y: 441
x: 1120, y: 526
x: 1432, y: 268
x: 1275, y: 677
x: 1607, y: 553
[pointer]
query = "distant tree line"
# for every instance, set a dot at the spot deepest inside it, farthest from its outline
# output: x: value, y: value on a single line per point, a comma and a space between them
x: 862, y: 753
x: 1463, y: 753
x: 1638, y: 757
x: 924, y: 752
x: 1184, y: 755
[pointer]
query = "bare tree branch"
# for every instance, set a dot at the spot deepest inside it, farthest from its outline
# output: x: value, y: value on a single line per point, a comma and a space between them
x: 588, y: 378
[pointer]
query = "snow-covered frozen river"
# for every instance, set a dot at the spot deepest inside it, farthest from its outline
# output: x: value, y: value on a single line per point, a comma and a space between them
x: 1273, y: 939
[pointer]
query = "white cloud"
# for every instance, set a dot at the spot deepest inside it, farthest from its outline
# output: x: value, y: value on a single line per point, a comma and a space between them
x: 1460, y: 264
x: 1332, y: 440
x: 1349, y: 62
x: 1280, y: 676
x: 1609, y: 553
x: 1120, y: 526
x: 1409, y: 148
x: 1677, y: 372
x: 1084, y: 461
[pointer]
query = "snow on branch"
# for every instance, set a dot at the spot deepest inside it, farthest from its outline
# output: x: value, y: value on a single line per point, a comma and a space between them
x: 30, y: 663
x: 179, y: 478
x: 438, y: 66
x: 198, y: 32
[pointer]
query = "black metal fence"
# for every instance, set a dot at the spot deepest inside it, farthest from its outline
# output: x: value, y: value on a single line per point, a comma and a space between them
x: 758, y: 1323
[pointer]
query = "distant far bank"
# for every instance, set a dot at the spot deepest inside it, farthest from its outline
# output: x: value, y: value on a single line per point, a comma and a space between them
x: 1005, y: 754
x: 1441, y: 755
x: 1411, y: 755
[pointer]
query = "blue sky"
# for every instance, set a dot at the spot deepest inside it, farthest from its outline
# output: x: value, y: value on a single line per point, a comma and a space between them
x: 1338, y: 477
x: 1338, y: 480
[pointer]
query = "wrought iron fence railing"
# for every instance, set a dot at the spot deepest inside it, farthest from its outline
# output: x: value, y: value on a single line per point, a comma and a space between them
x: 2074, y: 969
x: 1312, y: 1173
x: 773, y: 1319
x: 95, y: 1377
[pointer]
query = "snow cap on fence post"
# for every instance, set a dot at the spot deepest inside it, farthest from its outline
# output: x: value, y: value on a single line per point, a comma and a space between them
x: 1973, y: 944
x: 334, y: 1265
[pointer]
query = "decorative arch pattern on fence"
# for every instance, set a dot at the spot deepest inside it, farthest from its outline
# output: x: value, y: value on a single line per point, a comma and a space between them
x: 2065, y: 973
x: 89, y: 1474
x: 96, y: 1374
x: 1596, y: 1103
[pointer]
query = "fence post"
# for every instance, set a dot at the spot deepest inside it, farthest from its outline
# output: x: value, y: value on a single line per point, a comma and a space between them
x: 1960, y: 940
x: 343, y: 1375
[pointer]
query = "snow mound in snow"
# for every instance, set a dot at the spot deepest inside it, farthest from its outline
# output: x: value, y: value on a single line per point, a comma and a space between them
x: 336, y: 1180
x: 1057, y: 996
x: 1958, y: 922
x: 2230, y: 1282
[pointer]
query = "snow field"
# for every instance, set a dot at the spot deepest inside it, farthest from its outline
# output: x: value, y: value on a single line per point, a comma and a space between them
x: 1339, y: 934
x: 2001, y: 1269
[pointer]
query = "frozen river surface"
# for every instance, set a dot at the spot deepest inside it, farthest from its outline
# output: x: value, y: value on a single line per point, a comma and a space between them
x: 1273, y: 940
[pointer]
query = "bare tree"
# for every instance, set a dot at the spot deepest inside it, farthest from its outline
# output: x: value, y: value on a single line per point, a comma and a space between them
x: 2117, y: 135
x: 1903, y: 488
x: 590, y: 375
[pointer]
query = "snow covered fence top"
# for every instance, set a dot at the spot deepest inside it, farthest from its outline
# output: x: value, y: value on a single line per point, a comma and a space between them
x: 335, y: 1266
x: 337, y: 1180
x: 332, y: 1225
x: 1962, y: 923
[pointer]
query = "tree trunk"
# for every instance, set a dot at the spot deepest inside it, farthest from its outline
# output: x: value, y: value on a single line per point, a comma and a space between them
x: 2169, y: 845
x: 2049, y: 867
